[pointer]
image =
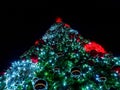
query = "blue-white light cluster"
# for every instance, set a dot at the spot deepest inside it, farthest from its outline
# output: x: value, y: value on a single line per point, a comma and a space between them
x: 19, y: 72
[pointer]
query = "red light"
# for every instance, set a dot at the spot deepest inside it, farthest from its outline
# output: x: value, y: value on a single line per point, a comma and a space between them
x: 34, y: 60
x: 67, y: 25
x: 94, y: 46
x: 37, y: 42
x: 58, y: 20
x: 78, y: 39
x: 116, y: 69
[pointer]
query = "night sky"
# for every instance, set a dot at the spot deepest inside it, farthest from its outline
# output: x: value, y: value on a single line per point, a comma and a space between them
x: 23, y: 26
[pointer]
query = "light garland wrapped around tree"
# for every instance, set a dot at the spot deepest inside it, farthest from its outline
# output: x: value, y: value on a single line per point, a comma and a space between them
x: 63, y: 60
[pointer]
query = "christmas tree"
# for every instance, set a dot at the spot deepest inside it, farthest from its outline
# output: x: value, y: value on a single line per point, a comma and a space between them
x: 63, y: 60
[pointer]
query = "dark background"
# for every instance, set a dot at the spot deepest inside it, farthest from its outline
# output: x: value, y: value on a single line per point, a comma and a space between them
x: 22, y: 26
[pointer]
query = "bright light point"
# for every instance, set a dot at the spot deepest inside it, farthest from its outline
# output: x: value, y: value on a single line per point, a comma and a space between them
x: 63, y: 73
x: 97, y: 75
x: 44, y: 37
x: 117, y: 63
x: 24, y: 69
x: 26, y: 85
x: 42, y: 53
x: 52, y: 64
x: 30, y: 75
x: 100, y: 87
x: 27, y: 60
x: 91, y: 85
x: 18, y: 68
x: 52, y: 53
x: 46, y: 73
x: 64, y: 83
x: 87, y: 87
x: 22, y: 61
x: 115, y: 58
x: 115, y: 74
x: 38, y: 57
x: 13, y: 76
x: 83, y: 74
x: 97, y: 79
x: 90, y: 68
x: 50, y: 61
x: 54, y: 87
x: 117, y: 71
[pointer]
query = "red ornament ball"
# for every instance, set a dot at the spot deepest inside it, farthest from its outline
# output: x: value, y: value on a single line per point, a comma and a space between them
x: 41, y: 41
x: 116, y: 69
x: 36, y: 42
x: 34, y: 58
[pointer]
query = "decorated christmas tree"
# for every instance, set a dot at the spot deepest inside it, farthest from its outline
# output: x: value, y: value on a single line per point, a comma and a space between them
x: 63, y: 60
